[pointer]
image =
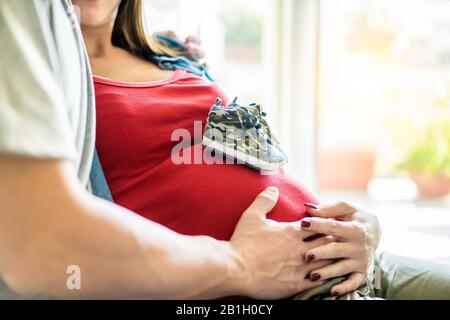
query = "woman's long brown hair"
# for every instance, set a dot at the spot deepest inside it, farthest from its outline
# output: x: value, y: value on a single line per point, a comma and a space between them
x: 129, y: 32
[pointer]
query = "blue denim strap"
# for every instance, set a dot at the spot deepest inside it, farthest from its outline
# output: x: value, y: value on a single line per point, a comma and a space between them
x: 182, y: 63
x: 98, y: 180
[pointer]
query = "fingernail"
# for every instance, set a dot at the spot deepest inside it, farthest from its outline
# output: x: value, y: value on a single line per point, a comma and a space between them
x: 305, y: 224
x: 272, y: 190
x: 335, y: 293
x: 311, y: 257
x: 311, y: 205
x: 314, y: 277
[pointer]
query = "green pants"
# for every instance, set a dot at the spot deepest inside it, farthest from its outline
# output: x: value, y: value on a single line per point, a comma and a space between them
x: 394, y: 278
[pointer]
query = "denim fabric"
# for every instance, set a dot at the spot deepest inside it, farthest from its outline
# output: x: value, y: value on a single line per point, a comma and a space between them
x: 173, y: 63
x: 99, y: 184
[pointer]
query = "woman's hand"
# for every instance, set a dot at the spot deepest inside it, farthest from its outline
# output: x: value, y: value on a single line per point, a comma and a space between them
x: 270, y: 256
x: 192, y: 44
x: 357, y: 234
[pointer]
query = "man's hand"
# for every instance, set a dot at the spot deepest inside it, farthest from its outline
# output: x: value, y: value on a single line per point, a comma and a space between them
x: 358, y: 235
x: 271, y: 255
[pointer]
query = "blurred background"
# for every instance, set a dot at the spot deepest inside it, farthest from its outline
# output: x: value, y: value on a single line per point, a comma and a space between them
x: 358, y: 92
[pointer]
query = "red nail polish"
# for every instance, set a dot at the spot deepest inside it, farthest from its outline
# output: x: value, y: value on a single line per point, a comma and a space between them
x: 311, y: 205
x: 314, y: 277
x: 311, y: 257
x: 335, y: 293
x: 306, y: 224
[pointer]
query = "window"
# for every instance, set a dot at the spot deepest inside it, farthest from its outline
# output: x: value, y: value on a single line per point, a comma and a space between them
x: 232, y: 33
x: 384, y: 117
x: 385, y: 97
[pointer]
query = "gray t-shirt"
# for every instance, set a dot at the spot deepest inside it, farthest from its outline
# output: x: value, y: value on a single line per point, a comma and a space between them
x: 46, y: 90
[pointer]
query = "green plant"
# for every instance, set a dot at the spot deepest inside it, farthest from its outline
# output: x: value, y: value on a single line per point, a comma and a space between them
x: 429, y: 149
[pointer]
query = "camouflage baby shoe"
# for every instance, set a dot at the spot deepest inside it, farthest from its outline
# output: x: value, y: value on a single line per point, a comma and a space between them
x: 242, y: 133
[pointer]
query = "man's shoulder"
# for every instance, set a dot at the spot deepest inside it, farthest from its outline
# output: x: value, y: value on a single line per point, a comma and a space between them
x: 44, y: 55
x: 32, y: 12
x: 29, y: 7
x: 43, y: 9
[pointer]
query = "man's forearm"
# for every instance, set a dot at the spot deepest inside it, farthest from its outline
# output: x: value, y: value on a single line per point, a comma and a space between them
x: 120, y: 254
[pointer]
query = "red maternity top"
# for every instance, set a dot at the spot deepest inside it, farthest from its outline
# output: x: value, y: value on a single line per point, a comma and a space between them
x: 135, y: 122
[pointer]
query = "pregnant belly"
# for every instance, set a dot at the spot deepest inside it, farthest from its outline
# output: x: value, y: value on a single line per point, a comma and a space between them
x: 202, y: 199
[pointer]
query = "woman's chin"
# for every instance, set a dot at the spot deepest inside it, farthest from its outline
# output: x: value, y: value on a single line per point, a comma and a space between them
x: 92, y: 20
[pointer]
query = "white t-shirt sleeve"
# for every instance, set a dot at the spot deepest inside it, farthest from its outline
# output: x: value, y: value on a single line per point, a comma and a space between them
x: 34, y: 118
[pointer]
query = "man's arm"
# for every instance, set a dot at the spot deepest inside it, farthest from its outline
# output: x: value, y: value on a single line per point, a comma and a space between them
x: 49, y: 222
